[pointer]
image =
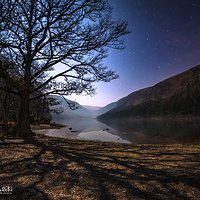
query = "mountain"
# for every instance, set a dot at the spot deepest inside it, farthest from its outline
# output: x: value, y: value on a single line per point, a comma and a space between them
x: 179, y: 94
x: 62, y: 111
x: 106, y: 108
x: 92, y: 108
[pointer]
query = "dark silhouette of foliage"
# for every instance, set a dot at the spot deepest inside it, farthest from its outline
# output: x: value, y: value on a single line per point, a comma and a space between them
x: 36, y: 35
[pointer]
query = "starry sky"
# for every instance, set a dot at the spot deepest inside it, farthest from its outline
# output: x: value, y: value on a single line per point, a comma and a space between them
x: 164, y: 41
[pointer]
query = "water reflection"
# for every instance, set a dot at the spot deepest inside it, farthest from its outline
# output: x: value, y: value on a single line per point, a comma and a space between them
x: 136, y: 131
x: 157, y: 131
x: 86, y: 129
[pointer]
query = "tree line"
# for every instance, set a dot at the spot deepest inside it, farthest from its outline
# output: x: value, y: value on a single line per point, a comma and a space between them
x: 186, y: 102
x: 37, y: 36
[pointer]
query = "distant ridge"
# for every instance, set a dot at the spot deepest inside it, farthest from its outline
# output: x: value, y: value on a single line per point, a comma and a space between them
x: 62, y: 111
x: 106, y: 108
x: 179, y: 94
x: 92, y: 108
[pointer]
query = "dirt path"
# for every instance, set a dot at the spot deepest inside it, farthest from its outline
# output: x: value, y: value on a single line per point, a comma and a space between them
x: 61, y: 169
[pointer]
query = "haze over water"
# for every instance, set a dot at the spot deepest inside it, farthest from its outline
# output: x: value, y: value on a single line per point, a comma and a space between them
x: 135, y: 131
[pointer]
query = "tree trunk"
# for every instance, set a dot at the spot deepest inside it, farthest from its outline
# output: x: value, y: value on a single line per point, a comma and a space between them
x: 23, y: 128
x: 5, y: 110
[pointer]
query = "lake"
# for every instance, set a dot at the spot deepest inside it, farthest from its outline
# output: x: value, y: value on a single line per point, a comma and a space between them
x: 135, y: 131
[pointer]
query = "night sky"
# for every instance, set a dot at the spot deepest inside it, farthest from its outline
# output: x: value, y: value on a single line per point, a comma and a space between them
x: 164, y: 41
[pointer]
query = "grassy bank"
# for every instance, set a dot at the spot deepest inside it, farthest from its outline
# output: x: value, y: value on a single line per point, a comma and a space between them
x: 51, y: 168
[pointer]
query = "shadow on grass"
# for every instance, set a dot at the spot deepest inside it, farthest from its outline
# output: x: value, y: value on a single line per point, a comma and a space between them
x: 69, y: 169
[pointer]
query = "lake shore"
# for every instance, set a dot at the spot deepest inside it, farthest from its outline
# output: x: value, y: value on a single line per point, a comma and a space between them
x: 53, y: 168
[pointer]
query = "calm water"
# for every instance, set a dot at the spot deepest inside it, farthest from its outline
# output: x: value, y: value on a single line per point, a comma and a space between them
x: 129, y: 131
x: 142, y: 131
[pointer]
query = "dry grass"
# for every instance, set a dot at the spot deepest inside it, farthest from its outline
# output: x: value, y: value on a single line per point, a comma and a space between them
x: 61, y: 169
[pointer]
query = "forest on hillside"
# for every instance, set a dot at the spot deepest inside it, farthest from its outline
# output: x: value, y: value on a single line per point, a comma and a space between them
x: 183, y: 103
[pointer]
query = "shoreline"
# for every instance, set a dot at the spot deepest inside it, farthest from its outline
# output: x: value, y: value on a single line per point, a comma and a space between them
x: 54, y: 129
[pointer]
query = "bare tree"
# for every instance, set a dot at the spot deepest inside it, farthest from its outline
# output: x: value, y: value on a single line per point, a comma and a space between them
x: 9, y: 104
x: 36, y: 35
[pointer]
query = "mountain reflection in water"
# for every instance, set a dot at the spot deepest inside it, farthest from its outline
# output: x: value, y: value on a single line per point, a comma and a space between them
x: 136, y: 131
x: 149, y: 131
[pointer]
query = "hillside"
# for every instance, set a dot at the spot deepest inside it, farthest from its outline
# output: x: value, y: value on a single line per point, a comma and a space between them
x: 92, y: 108
x: 179, y: 94
x: 106, y: 108
x: 62, y: 111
